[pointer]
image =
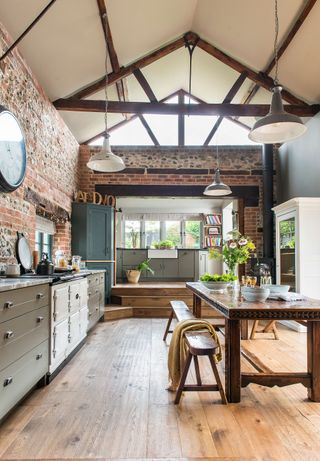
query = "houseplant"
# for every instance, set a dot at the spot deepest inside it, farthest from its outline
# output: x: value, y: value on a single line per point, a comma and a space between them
x: 133, y: 275
x: 237, y: 249
x: 164, y: 245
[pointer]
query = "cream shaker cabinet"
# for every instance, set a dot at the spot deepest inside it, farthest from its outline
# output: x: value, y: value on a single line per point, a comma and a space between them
x: 69, y: 319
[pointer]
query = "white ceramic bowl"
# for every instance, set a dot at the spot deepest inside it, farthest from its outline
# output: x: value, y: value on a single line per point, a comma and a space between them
x: 277, y: 289
x: 255, y: 294
x: 215, y: 286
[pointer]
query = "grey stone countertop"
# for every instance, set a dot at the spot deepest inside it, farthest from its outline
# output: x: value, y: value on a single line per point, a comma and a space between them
x: 86, y: 272
x: 7, y: 284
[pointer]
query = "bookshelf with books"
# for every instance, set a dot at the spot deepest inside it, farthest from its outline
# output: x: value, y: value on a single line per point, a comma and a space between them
x: 212, y: 231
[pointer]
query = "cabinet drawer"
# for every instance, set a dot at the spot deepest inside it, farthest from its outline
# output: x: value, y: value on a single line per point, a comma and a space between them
x: 18, y: 378
x: 59, y: 343
x: 19, y: 335
x: 95, y: 279
x: 18, y: 302
x: 134, y: 257
x: 94, y: 316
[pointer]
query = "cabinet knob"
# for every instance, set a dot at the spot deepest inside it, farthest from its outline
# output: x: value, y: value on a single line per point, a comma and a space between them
x: 89, y: 294
x: 9, y: 334
x: 39, y: 356
x: 39, y: 319
x: 8, y: 305
x: 7, y: 381
x: 40, y: 296
x: 90, y: 313
x: 77, y: 296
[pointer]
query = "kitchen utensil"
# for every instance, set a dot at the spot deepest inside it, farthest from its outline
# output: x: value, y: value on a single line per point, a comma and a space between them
x: 45, y: 266
x: 24, y: 255
x: 12, y: 270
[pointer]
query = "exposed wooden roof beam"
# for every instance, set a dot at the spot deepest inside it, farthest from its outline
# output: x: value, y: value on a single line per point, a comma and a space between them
x: 230, y: 95
x: 122, y: 90
x: 247, y: 110
x: 145, y: 85
x: 128, y: 70
x: 292, y: 33
x: 148, y: 129
x: 263, y: 80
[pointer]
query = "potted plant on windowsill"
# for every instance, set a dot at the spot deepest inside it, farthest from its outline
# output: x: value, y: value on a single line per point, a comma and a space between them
x: 133, y: 275
x: 164, y: 245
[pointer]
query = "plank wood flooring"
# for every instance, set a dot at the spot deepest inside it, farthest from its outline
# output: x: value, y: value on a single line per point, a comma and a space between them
x: 110, y: 402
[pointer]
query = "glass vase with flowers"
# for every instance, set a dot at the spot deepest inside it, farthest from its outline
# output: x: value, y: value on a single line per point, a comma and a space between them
x: 237, y: 249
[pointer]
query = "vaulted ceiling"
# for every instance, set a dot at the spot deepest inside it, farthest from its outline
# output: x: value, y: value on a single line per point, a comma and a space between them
x: 66, y: 50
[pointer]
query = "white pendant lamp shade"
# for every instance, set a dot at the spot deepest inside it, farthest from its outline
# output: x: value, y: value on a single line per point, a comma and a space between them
x: 277, y: 125
x: 217, y: 188
x: 105, y: 161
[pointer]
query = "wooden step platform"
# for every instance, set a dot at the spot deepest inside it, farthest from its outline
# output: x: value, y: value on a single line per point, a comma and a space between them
x: 149, y: 300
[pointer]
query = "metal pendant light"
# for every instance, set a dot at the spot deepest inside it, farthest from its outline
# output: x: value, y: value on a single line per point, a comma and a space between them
x: 217, y: 188
x: 106, y: 161
x: 277, y: 125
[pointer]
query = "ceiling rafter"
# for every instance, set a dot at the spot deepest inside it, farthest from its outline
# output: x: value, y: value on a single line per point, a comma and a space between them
x: 145, y: 85
x: 124, y: 122
x: 121, y: 86
x: 291, y: 34
x: 223, y: 109
x: 230, y: 95
x: 113, y: 77
x: 263, y: 80
x: 152, y: 97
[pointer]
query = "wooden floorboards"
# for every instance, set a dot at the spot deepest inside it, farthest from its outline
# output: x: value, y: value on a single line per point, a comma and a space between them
x: 110, y: 402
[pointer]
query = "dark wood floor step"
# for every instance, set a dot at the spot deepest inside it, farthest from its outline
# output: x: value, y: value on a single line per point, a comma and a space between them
x: 136, y: 290
x: 140, y: 301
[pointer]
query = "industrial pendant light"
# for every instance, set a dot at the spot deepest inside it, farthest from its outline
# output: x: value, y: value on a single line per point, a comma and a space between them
x: 277, y: 125
x: 217, y: 188
x: 106, y: 161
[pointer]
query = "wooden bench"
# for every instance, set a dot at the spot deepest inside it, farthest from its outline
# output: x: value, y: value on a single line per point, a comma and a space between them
x: 180, y: 311
x: 200, y: 343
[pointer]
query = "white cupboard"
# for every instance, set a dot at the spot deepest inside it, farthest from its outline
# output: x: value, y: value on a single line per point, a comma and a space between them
x: 69, y: 319
x: 298, y: 245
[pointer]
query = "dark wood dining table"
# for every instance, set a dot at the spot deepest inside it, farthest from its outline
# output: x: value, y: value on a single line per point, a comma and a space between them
x: 235, y: 310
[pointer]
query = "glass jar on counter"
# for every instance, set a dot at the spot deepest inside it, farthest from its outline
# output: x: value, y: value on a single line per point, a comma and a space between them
x: 76, y: 263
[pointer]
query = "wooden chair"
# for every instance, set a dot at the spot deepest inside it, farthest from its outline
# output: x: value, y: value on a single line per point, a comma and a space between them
x: 200, y: 343
x: 269, y: 328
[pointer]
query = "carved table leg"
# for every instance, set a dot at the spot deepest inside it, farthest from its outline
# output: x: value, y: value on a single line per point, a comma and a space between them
x: 232, y: 357
x: 313, y: 347
x: 196, y: 306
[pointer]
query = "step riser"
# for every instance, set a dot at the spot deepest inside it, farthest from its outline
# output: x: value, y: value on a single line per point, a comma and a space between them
x: 148, y: 301
x: 154, y: 291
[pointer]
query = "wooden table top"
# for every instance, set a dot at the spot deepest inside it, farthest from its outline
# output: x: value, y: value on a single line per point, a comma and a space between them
x: 233, y: 306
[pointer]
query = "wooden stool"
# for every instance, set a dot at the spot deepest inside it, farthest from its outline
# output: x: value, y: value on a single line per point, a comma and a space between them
x: 270, y: 327
x: 180, y: 311
x: 200, y: 343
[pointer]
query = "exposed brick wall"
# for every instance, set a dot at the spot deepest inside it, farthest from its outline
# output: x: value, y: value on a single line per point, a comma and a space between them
x: 240, y: 165
x: 52, y: 153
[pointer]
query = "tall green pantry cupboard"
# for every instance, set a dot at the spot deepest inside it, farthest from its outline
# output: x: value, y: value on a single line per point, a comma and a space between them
x: 93, y: 238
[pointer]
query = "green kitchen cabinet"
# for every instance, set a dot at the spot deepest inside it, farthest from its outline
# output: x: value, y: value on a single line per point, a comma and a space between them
x: 92, y: 231
x: 92, y: 238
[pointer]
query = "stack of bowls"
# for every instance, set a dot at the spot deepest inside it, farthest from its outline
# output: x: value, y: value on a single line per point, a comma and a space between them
x: 255, y: 294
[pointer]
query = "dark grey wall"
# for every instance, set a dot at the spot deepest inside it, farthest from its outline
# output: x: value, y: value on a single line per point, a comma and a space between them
x: 298, y: 165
